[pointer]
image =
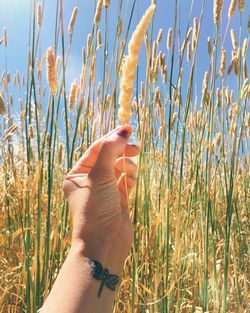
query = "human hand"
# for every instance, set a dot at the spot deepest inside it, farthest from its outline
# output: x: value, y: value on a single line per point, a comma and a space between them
x: 97, y: 190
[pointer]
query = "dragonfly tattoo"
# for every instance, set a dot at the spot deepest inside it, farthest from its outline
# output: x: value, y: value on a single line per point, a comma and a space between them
x: 102, y: 274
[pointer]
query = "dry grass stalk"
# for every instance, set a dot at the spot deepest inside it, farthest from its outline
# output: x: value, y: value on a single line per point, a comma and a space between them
x: 2, y: 106
x: 218, y: 5
x: 241, y: 5
x: 98, y: 12
x: 89, y: 44
x: 119, y: 27
x: 233, y: 39
x: 129, y: 67
x: 72, y: 95
x: 231, y: 66
x: 60, y: 153
x: 237, y: 62
x: 106, y: 3
x: 245, y: 72
x: 51, y: 69
x: 195, y: 33
x: 31, y: 131
x: 222, y: 62
x: 169, y: 38
x: 231, y: 9
x: 188, y: 52
x: 244, y: 48
x: 186, y: 40
x: 99, y: 39
x: 39, y: 15
x: 58, y: 62
x: 5, y: 37
x: 159, y: 37
x: 72, y: 20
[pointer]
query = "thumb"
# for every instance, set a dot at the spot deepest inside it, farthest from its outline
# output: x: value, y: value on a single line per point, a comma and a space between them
x: 110, y: 149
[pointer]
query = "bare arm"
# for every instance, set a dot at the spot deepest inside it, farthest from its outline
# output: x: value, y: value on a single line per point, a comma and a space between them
x: 96, y: 190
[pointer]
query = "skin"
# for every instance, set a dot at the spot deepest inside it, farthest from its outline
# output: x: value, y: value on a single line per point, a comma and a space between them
x: 97, y: 192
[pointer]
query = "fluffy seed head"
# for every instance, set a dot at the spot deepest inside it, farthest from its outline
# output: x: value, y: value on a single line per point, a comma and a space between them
x: 159, y: 37
x: 130, y: 64
x: 72, y: 95
x: 169, y: 38
x: 99, y: 39
x: 98, y: 12
x: 72, y: 20
x: 231, y: 9
x: 244, y: 48
x: 233, y: 39
x: 5, y: 37
x: 51, y: 69
x: 31, y: 131
x: 2, y: 107
x: 60, y: 153
x: 209, y: 45
x: 241, y: 5
x: 222, y: 61
x: 39, y: 15
x: 195, y: 33
x: 106, y: 3
x: 218, y: 5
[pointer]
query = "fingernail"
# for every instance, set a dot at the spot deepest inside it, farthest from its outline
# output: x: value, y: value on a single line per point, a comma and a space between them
x: 123, y: 133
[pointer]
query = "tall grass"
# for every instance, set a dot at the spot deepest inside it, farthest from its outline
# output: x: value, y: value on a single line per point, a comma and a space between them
x: 190, y: 207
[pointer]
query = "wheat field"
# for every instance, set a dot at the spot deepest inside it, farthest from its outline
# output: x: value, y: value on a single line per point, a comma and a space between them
x: 190, y: 111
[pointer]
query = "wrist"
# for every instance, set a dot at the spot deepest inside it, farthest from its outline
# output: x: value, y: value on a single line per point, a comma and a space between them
x: 109, y: 250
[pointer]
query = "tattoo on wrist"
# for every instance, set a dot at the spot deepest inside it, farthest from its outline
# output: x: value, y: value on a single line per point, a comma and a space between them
x: 102, y: 274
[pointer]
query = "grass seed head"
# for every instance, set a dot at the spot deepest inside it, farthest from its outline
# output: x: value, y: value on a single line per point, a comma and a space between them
x: 244, y: 48
x: 5, y: 37
x: 39, y: 15
x: 222, y: 62
x: 130, y: 64
x: 245, y: 72
x: 106, y: 3
x: 31, y: 131
x: 218, y: 5
x: 241, y: 5
x: 233, y: 39
x: 99, y: 39
x: 72, y: 20
x: 169, y: 38
x: 98, y: 12
x: 188, y: 52
x: 159, y: 37
x: 72, y: 95
x: 209, y: 46
x: 195, y: 33
x: 51, y: 69
x: 231, y: 9
x: 2, y: 106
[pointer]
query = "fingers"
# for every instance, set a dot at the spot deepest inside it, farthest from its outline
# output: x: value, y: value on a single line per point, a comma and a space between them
x: 110, y: 148
x: 131, y: 150
x: 125, y: 184
x: 125, y: 165
x: 88, y: 159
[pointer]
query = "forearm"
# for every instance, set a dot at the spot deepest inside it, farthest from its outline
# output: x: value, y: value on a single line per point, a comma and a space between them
x: 76, y: 290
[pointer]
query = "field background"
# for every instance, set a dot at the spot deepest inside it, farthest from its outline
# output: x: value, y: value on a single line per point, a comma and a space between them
x: 191, y: 116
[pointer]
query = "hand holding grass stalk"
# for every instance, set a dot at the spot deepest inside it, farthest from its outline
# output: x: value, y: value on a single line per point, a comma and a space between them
x: 96, y: 191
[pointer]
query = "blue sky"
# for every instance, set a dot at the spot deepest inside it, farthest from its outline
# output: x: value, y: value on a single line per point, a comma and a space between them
x: 15, y: 16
